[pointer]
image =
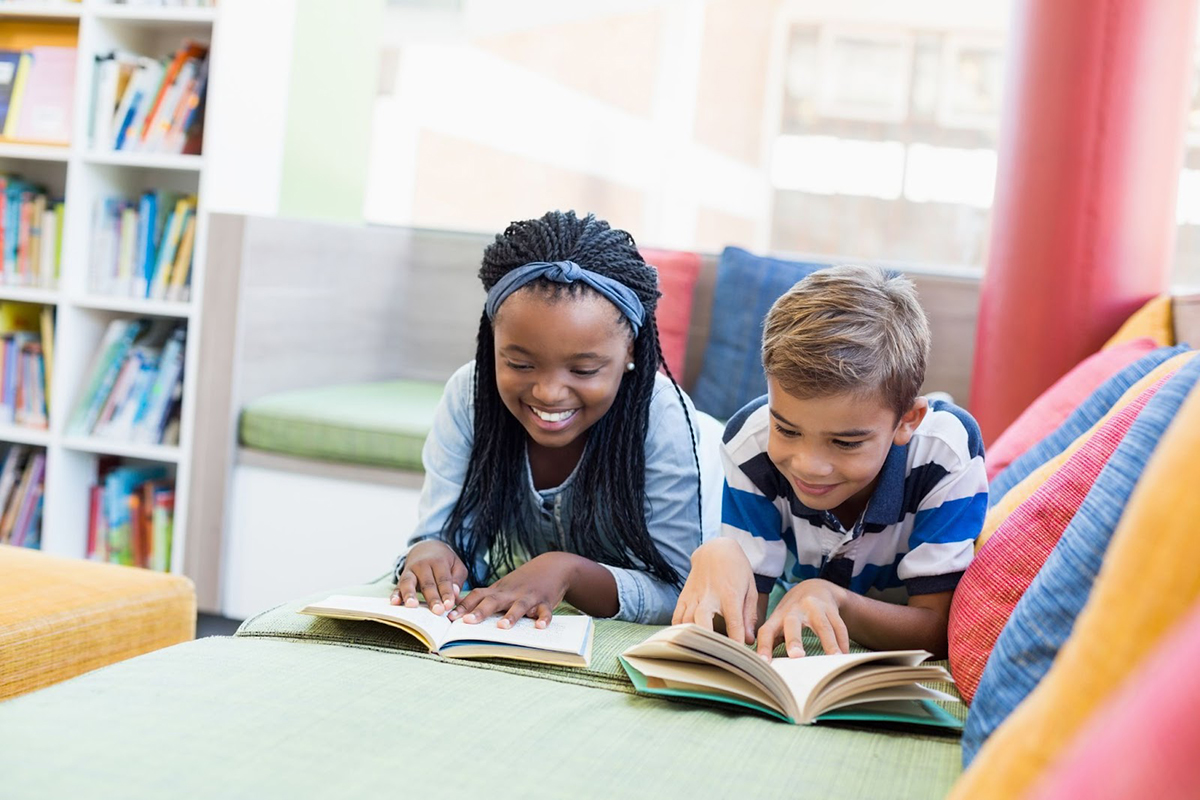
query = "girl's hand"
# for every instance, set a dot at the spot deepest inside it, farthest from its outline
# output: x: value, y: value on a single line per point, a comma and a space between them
x: 815, y: 604
x: 438, y: 572
x: 721, y: 582
x: 532, y: 590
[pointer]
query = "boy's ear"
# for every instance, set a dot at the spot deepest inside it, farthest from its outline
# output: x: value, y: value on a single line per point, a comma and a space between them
x: 909, y: 422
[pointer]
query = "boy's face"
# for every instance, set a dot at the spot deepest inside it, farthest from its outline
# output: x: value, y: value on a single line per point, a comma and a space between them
x: 831, y: 448
x: 559, y: 364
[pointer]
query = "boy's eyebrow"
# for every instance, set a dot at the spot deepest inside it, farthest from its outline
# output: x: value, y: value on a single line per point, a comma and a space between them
x: 850, y: 434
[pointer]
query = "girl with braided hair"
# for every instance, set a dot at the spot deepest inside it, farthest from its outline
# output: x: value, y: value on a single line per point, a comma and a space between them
x: 561, y: 464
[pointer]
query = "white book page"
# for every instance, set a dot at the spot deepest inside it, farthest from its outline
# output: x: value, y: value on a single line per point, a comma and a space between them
x: 805, y: 676
x: 564, y: 634
x: 380, y: 608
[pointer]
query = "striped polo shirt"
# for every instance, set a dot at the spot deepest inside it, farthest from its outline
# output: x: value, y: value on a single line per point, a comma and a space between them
x: 916, y: 535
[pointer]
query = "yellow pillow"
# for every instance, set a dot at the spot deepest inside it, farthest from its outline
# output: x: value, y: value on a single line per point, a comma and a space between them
x: 1155, y: 319
x: 1147, y: 582
x: 1017, y: 495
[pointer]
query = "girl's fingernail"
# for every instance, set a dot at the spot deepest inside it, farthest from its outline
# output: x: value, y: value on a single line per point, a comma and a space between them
x: 437, y: 608
x: 411, y: 602
x: 541, y: 623
x: 504, y: 623
x: 470, y: 618
x: 457, y: 589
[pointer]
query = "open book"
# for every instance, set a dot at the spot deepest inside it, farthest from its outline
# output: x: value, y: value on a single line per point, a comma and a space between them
x: 567, y: 640
x: 690, y: 661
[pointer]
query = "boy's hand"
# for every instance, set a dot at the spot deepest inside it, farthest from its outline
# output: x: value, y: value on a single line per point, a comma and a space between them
x: 533, y: 589
x: 721, y: 582
x: 810, y: 604
x: 435, y: 569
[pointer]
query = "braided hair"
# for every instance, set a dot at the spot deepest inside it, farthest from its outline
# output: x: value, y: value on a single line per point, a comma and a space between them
x: 493, y: 515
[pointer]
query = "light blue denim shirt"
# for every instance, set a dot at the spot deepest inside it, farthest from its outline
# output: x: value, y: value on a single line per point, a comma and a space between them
x: 672, y: 516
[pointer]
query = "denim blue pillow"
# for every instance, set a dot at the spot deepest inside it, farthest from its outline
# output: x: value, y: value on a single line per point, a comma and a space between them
x: 747, y: 285
x: 1043, y: 618
x: 1082, y: 418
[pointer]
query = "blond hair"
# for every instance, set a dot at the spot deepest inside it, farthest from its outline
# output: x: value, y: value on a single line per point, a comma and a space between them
x: 849, y: 329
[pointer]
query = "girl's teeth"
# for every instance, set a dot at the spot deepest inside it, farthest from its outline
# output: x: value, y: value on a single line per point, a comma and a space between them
x: 559, y: 417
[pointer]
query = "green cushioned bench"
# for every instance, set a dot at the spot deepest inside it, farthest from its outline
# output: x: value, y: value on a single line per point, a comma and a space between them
x: 296, y: 706
x: 377, y: 424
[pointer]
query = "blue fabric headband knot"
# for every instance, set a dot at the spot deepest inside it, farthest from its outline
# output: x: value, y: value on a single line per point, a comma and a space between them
x: 621, y: 295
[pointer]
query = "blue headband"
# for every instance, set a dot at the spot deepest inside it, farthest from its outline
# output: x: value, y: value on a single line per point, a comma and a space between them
x: 621, y: 295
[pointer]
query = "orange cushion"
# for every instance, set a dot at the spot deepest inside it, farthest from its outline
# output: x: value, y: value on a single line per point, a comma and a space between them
x: 677, y: 274
x: 1156, y: 320
x: 1003, y: 570
x: 1056, y: 403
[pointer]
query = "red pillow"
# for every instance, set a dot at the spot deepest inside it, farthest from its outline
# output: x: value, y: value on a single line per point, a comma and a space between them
x: 1143, y: 741
x: 1010, y: 559
x: 1055, y: 404
x: 677, y: 274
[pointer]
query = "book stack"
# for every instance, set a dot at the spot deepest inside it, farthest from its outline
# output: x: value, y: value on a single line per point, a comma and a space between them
x: 37, y: 87
x: 31, y: 224
x: 131, y: 516
x: 22, y: 481
x: 26, y: 363
x: 135, y: 386
x: 144, y: 248
x: 148, y: 105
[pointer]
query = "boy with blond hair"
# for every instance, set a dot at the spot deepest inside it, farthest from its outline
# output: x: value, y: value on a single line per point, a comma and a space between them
x: 842, y: 483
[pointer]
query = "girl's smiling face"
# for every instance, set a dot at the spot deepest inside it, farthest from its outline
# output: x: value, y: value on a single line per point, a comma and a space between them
x: 559, y: 362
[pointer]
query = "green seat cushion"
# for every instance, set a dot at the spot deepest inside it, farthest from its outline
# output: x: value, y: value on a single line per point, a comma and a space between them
x: 379, y: 424
x: 257, y: 717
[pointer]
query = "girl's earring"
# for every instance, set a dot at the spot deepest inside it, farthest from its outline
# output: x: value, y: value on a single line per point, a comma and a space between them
x: 630, y: 367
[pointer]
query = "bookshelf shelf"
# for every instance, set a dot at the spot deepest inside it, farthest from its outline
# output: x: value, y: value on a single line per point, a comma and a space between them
x: 143, y: 15
x: 134, y: 305
x: 111, y: 447
x: 84, y: 179
x: 17, y: 434
x: 145, y: 160
x: 27, y: 294
x: 35, y: 11
x: 34, y: 152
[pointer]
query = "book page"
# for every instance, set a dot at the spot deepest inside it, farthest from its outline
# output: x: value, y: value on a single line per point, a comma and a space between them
x: 807, y: 676
x: 564, y: 634
x: 421, y: 622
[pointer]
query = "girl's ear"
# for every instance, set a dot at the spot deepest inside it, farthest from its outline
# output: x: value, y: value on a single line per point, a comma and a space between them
x: 909, y: 422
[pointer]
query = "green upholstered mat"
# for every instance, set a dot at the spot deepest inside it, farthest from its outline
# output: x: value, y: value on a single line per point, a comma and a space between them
x: 612, y: 638
x: 268, y: 718
x: 380, y: 424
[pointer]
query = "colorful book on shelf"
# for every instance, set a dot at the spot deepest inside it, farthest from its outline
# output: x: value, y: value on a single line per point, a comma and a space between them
x: 185, y: 207
x: 113, y: 71
x: 119, y: 485
x: 110, y: 357
x: 143, y: 83
x: 34, y: 467
x: 162, y: 528
x: 154, y: 410
x: 9, y: 61
x: 177, y: 287
x: 97, y: 548
x: 46, y: 326
x: 48, y: 96
x: 10, y: 474
x: 18, y: 92
x: 184, y: 67
x: 20, y: 534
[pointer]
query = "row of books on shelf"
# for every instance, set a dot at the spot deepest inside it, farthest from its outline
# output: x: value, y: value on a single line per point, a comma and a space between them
x: 144, y: 248
x: 26, y: 363
x: 22, y: 484
x: 37, y: 88
x: 31, y: 224
x: 131, y: 516
x: 149, y: 105
x: 135, y: 386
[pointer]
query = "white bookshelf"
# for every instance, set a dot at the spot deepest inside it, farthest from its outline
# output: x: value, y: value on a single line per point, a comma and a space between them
x: 81, y: 175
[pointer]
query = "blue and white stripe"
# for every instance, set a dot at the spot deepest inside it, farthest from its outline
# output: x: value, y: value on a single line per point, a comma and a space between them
x: 918, y: 530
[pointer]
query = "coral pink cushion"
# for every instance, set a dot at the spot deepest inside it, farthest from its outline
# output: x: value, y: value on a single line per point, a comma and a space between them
x: 1012, y: 556
x: 1144, y: 740
x: 1056, y: 403
x: 677, y: 273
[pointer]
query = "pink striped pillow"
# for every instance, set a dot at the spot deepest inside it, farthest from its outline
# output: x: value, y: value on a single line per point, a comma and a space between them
x: 1007, y: 563
x: 1056, y: 403
x: 677, y: 274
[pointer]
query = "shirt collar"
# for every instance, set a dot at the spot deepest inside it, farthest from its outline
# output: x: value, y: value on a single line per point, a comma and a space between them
x: 883, y: 508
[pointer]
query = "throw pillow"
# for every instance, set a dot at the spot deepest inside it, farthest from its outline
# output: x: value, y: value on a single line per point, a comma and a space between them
x: 1056, y: 403
x: 1093, y: 408
x: 677, y: 273
x: 1155, y: 319
x: 746, y: 287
